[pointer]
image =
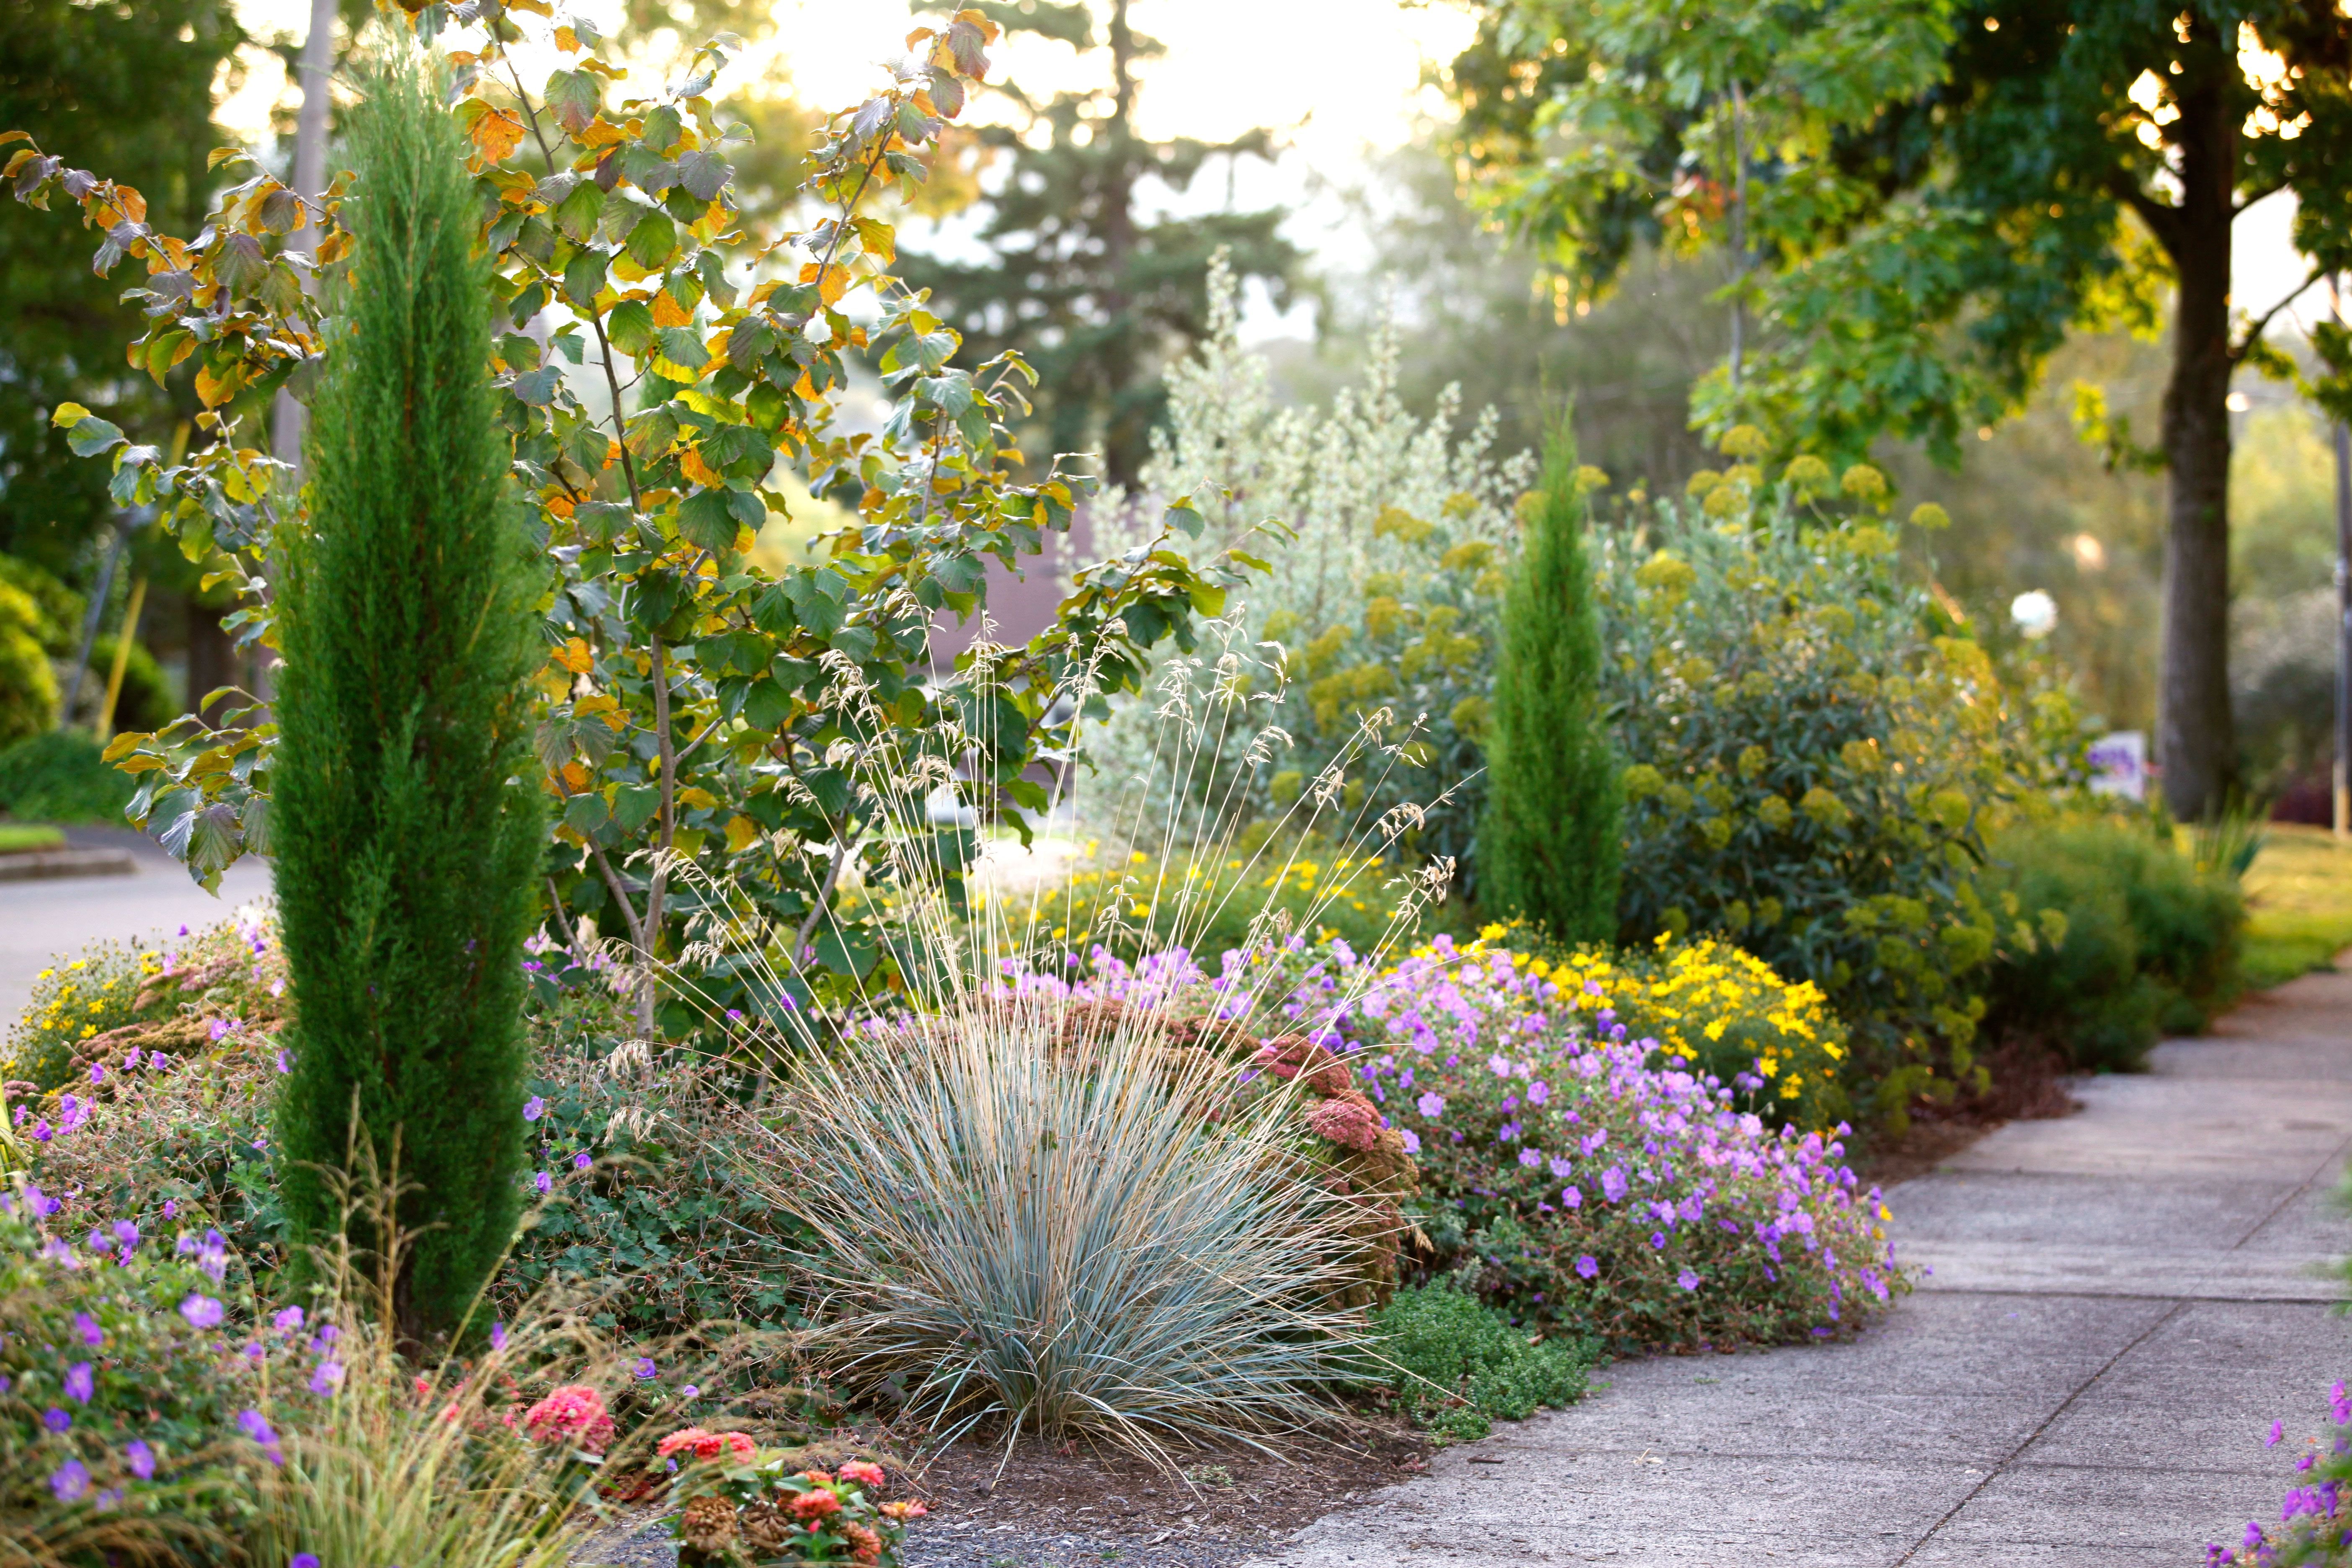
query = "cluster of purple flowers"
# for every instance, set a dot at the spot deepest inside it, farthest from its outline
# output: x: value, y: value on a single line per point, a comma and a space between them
x: 2314, y: 1524
x: 1574, y: 1179
x: 120, y: 1355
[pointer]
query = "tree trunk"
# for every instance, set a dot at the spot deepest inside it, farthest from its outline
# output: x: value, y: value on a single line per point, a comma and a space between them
x: 2196, y: 743
x: 1126, y: 437
x: 309, y: 183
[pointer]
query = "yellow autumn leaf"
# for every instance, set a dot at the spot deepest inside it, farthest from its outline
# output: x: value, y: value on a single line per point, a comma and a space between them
x: 691, y: 465
x: 575, y: 776
x: 567, y: 40
x: 497, y: 134
x: 695, y: 795
x: 669, y: 312
x: 573, y: 655
x: 741, y: 833
x: 212, y: 391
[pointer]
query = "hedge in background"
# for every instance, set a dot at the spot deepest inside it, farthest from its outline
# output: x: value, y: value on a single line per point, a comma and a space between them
x: 407, y: 815
x: 2145, y: 944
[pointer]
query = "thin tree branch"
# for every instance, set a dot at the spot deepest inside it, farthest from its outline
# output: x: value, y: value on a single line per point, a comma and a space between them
x: 2164, y: 222
x: 2239, y: 350
x: 621, y: 896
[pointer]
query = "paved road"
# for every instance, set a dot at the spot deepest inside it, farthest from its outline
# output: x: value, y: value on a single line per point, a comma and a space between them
x: 40, y: 920
x: 2121, y: 1302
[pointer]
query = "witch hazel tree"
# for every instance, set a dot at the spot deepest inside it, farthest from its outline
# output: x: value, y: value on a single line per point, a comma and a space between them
x: 658, y: 363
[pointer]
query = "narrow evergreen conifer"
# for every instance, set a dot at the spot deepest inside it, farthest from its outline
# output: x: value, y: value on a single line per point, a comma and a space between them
x: 408, y: 820
x: 1549, y: 844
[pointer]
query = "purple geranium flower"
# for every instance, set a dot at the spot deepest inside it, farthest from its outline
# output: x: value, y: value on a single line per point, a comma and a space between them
x: 140, y: 1458
x: 201, y: 1312
x: 80, y: 1382
x: 533, y: 1108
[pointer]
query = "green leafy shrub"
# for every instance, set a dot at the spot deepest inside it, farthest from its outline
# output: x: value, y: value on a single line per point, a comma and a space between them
x: 28, y: 687
x: 61, y: 776
x: 640, y: 1156
x: 1457, y: 1365
x: 1549, y: 844
x: 1811, y: 768
x: 2137, y: 943
x: 57, y: 609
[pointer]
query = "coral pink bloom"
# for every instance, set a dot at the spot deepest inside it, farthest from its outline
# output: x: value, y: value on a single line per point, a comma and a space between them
x: 816, y: 1505
x: 575, y: 1413
x: 864, y: 1473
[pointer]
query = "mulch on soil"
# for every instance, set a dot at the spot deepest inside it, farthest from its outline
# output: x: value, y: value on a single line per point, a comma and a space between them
x: 1055, y: 1506
x: 1060, y: 1506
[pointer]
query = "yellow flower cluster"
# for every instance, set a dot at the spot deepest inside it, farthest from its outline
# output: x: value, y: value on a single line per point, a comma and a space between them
x: 71, y: 1003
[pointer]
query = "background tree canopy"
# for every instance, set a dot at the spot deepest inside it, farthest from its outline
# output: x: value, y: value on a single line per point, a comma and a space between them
x: 1094, y: 292
x: 129, y: 86
x: 1922, y: 200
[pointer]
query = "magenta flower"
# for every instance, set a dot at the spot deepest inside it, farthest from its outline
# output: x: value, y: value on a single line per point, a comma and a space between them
x: 645, y: 1368
x: 542, y: 1182
x: 1530, y: 1158
x: 201, y: 1312
x: 86, y: 1330
x: 288, y: 1321
x: 497, y: 1336
x: 582, y: 1160
x: 140, y: 1458
x: 1686, y: 1280
x: 70, y: 1481
x: 1571, y: 1197
x: 328, y: 1378
x: 80, y: 1382
x: 57, y: 1420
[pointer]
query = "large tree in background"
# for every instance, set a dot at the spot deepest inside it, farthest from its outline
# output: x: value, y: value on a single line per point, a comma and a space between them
x: 2061, y: 165
x: 129, y: 84
x: 1097, y: 296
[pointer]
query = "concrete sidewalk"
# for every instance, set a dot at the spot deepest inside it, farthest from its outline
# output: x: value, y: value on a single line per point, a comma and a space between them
x: 2120, y: 1304
x: 41, y: 921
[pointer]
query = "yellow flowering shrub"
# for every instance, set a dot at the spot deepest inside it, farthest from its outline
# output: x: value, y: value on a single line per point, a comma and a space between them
x: 1811, y: 770
x: 75, y: 1000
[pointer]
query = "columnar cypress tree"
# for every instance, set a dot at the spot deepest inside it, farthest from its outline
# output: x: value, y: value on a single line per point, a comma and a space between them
x: 1548, y: 845
x: 407, y: 813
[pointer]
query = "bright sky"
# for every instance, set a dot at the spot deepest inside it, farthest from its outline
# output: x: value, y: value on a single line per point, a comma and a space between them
x: 1333, y: 78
